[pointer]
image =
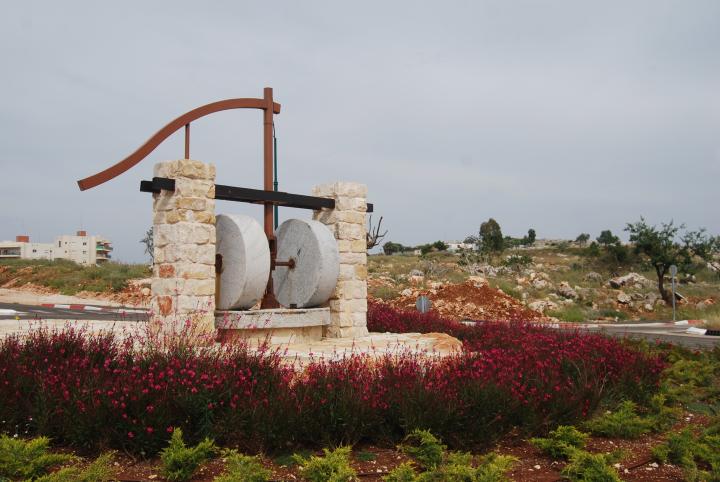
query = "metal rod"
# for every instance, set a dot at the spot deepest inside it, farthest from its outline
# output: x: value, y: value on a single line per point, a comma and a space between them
x: 143, y: 151
x: 187, y: 141
x: 275, y: 175
x: 268, y: 300
x: 673, y: 295
x: 253, y: 196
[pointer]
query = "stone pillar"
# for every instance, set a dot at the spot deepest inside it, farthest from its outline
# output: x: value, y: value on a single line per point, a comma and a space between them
x: 348, y: 304
x: 183, y: 285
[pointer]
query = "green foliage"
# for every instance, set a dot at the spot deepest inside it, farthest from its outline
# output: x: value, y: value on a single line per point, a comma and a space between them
x: 180, y: 461
x: 570, y: 314
x: 662, y: 249
x: 492, y: 467
x: 609, y: 251
x: 365, y: 456
x: 429, y: 453
x: 69, y: 277
x: 440, y: 245
x: 624, y: 422
x: 333, y: 467
x: 686, y: 450
x: 28, y: 459
x: 402, y: 473
x: 384, y: 292
x: 149, y: 242
x: 100, y: 470
x: 662, y: 416
x: 243, y: 468
x: 530, y: 238
x: 582, y: 239
x: 425, y: 448
x: 607, y: 238
x: 392, y: 248
x: 562, y: 442
x: 517, y: 261
x: 490, y: 237
x: 587, y: 467
x: 692, y: 379
x: 457, y: 467
x: 610, y: 313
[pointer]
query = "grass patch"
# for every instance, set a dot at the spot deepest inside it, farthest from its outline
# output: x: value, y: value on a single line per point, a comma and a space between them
x: 571, y: 314
x: 365, y: 456
x: 68, y: 277
x: 384, y: 292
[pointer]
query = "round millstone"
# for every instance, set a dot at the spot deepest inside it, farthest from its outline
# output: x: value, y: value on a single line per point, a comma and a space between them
x: 317, y: 264
x: 243, y: 246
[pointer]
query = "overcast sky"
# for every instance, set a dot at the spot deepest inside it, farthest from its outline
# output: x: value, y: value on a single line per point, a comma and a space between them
x: 563, y: 116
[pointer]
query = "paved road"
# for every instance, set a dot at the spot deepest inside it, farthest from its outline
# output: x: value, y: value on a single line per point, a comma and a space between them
x: 12, y: 311
x: 648, y: 331
x: 675, y: 335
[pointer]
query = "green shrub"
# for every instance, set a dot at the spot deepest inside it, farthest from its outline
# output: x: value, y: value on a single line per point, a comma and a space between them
x: 562, y: 442
x: 686, y: 450
x: 609, y: 313
x: 457, y: 467
x: 402, y: 473
x: 242, y: 468
x: 661, y: 416
x: 587, y: 467
x: 333, y: 467
x: 517, y: 261
x: 624, y: 422
x: 679, y: 449
x: 492, y: 467
x: 425, y: 448
x: 28, y: 459
x: 100, y: 470
x: 179, y: 461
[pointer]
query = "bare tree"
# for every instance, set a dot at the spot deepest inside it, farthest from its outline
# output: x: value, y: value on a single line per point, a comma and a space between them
x: 148, y: 241
x: 372, y: 235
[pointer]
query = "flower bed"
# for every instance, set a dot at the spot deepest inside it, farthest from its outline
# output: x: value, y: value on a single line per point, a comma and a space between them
x: 96, y: 391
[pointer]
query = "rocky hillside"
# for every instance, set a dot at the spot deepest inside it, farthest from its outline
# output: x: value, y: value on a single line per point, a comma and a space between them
x: 551, y: 282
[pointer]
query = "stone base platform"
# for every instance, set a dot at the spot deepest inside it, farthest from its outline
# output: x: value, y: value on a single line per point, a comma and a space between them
x: 275, y: 325
x: 373, y: 344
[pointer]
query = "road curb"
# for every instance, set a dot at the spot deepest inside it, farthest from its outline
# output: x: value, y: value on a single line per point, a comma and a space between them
x: 79, y: 307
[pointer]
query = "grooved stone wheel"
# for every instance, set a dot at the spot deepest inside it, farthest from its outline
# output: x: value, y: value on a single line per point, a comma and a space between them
x: 243, y: 246
x: 317, y: 263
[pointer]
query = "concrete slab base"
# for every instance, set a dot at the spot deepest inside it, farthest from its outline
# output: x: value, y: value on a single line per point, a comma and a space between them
x: 276, y: 326
x: 373, y: 345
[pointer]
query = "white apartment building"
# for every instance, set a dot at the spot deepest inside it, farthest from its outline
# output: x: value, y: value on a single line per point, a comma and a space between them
x: 80, y: 248
x: 457, y: 246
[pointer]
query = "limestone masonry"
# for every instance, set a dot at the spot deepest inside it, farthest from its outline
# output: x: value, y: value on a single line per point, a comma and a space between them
x: 348, y: 304
x: 183, y: 286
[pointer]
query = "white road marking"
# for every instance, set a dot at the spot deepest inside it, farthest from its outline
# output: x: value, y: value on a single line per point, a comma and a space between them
x: 7, y: 311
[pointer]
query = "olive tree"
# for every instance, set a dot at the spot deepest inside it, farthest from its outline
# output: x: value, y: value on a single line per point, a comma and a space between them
x: 490, y: 238
x: 664, y: 248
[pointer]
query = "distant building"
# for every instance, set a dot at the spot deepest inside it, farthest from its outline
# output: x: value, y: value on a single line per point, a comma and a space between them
x: 456, y: 246
x: 80, y: 248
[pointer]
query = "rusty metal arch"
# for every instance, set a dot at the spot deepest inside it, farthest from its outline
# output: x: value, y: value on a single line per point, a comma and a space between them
x: 184, y: 120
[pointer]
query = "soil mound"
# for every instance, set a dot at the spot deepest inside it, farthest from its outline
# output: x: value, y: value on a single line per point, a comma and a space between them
x: 472, y: 302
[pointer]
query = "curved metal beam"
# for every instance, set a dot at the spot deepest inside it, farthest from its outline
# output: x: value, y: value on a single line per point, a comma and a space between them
x: 144, y: 150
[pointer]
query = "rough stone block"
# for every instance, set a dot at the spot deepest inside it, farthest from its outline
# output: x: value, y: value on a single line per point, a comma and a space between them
x: 350, y: 189
x: 353, y: 258
x: 191, y: 203
x: 349, y: 231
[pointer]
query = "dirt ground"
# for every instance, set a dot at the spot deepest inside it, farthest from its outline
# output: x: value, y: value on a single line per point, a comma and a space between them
x: 372, y: 463
x: 470, y: 300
